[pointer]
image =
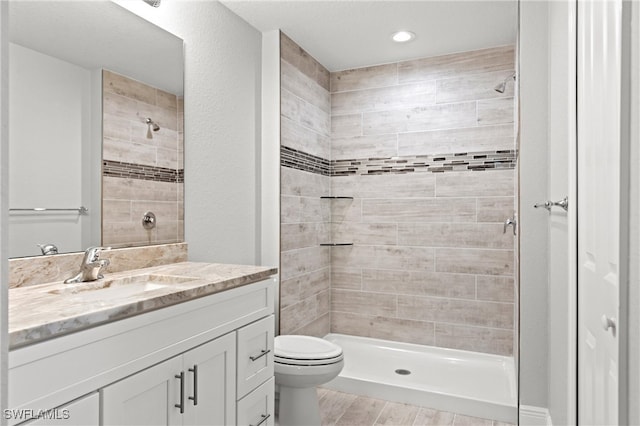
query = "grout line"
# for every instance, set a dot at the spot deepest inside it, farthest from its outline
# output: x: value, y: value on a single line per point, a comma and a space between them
x: 380, y: 413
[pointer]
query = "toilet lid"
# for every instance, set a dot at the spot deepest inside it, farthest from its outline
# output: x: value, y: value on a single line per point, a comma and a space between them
x: 305, y: 348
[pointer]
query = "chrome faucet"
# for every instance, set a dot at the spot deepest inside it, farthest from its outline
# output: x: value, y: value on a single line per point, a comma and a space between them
x: 91, y: 266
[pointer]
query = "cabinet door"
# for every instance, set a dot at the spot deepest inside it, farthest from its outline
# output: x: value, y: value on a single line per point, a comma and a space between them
x: 211, y: 390
x: 81, y: 412
x: 255, y: 354
x: 146, y: 398
x: 257, y: 407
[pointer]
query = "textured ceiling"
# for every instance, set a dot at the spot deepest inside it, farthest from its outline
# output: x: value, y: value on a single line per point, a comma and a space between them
x: 343, y: 34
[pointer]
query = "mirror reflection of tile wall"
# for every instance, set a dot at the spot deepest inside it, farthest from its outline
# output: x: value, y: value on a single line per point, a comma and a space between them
x: 142, y: 169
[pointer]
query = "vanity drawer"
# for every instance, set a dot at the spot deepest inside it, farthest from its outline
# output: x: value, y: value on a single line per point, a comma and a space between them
x: 257, y: 408
x: 255, y: 354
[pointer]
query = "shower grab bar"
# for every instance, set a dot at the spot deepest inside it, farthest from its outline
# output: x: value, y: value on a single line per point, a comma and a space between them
x: 81, y: 210
x: 564, y: 204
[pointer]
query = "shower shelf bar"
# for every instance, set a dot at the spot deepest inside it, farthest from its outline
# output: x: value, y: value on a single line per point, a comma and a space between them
x: 81, y: 210
x: 336, y: 198
x: 335, y: 244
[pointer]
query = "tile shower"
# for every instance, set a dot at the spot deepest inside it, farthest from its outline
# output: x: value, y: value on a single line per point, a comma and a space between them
x: 141, y: 170
x: 419, y: 157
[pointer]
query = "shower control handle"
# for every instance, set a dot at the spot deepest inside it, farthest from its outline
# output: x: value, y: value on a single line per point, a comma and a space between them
x: 608, y: 323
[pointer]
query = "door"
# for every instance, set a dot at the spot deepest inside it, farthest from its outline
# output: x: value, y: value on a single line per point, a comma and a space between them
x: 210, y: 385
x: 146, y: 398
x: 599, y: 225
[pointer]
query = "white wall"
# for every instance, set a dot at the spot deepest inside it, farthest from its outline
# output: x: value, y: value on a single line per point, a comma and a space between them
x: 4, y: 202
x: 562, y: 225
x: 222, y: 127
x: 633, y: 302
x: 533, y: 189
x: 49, y: 126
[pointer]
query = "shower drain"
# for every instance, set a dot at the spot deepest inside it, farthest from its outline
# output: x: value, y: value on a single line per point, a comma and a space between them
x: 403, y: 372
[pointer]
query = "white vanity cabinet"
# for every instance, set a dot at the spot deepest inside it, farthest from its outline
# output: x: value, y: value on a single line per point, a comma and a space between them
x: 195, y: 388
x: 84, y: 411
x: 208, y: 342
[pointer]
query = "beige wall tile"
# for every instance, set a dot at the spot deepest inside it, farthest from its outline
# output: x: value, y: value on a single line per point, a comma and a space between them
x: 457, y: 64
x: 135, y: 189
x: 495, y: 209
x: 445, y: 116
x: 303, y: 261
x: 359, y: 302
x: 345, y: 210
x: 495, y: 111
x: 474, y: 261
x: 470, y: 139
x: 474, y: 87
x: 383, y: 257
x: 297, y: 315
x: 302, y: 112
x: 299, y: 58
x: 319, y: 327
x: 304, y: 87
x: 478, y: 339
x: 456, y: 311
x: 346, y: 278
x: 315, y: 283
x: 116, y: 128
x: 419, y: 283
x: 290, y: 209
x: 355, y: 147
x: 298, y: 235
x: 364, y: 78
x: 167, y: 100
x: 383, y: 99
x: 406, y: 185
x: 383, y: 327
x: 126, y: 151
x: 116, y: 210
x: 365, y: 233
x: 343, y: 126
x: 419, y: 210
x: 475, y: 184
x: 324, y: 302
x: 290, y: 291
x: 465, y: 235
x: 298, y: 137
x: 498, y: 289
x: 301, y: 183
x: 121, y: 85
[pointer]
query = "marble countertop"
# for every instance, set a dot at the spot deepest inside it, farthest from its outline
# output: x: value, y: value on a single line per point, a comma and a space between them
x: 44, y: 311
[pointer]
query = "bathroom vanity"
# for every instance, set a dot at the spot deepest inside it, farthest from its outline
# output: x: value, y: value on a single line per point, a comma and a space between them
x: 179, y: 344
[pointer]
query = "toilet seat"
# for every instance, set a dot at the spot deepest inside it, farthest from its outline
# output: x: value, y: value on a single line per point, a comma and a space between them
x: 305, y: 350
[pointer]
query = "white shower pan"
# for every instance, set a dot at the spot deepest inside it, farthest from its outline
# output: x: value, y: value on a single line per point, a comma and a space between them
x: 469, y: 383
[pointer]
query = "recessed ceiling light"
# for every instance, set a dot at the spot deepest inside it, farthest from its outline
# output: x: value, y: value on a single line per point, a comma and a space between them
x: 402, y: 36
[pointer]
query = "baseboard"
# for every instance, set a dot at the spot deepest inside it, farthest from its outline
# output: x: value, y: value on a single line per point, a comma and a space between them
x: 534, y: 416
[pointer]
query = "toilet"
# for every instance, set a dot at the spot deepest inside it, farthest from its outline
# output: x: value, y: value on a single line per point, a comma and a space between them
x: 301, y: 363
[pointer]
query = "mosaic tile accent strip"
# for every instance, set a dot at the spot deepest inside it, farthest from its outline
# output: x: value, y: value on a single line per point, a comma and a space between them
x: 456, y: 162
x: 138, y: 171
x: 299, y: 160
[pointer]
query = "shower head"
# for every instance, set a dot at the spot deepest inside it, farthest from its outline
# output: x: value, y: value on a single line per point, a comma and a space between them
x: 501, y: 87
x: 154, y: 3
x: 152, y: 124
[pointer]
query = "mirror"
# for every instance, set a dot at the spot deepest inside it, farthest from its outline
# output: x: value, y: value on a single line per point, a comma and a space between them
x: 81, y: 138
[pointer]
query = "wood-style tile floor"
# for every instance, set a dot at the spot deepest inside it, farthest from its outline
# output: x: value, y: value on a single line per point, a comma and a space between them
x: 339, y: 408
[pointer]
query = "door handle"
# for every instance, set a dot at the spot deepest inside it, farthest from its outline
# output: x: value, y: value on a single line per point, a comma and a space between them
x: 181, y: 405
x: 194, y: 398
x: 608, y: 323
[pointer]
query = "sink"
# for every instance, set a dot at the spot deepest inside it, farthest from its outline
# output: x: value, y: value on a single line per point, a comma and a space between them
x: 121, y: 288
